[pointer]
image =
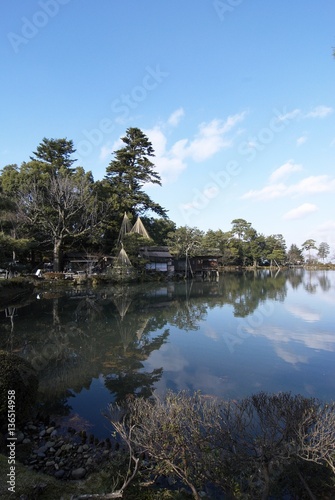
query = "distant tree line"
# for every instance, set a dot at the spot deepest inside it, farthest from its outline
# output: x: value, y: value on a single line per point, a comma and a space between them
x: 49, y: 206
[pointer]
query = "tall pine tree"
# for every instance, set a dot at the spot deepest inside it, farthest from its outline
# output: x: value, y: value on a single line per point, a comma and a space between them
x: 129, y: 171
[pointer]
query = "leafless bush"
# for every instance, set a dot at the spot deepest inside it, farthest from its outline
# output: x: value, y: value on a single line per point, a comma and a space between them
x: 240, y: 447
x: 175, y: 433
x: 316, y: 436
x: 257, y: 439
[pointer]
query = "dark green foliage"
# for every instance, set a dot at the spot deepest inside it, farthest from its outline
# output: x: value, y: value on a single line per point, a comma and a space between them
x: 129, y: 172
x: 18, y: 375
x: 159, y: 229
x: 55, y: 154
x: 295, y: 255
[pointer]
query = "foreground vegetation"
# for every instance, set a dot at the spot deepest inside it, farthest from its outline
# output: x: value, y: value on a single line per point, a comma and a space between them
x: 261, y: 447
x: 183, y: 446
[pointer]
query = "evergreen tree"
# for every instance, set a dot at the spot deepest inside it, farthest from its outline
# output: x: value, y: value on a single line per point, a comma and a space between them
x: 55, y: 155
x: 55, y: 204
x: 295, y: 255
x: 128, y: 172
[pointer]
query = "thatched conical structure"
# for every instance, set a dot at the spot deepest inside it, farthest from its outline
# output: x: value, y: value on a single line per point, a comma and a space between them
x: 122, y: 260
x: 124, y: 229
x: 139, y: 228
x: 122, y: 268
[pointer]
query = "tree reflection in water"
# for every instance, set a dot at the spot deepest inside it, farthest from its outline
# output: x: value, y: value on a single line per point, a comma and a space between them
x: 73, y: 338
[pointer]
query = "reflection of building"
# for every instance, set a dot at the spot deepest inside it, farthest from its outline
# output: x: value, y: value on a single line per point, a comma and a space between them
x: 158, y: 259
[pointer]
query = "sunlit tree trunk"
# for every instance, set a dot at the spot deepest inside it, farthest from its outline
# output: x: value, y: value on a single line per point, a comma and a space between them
x: 57, y: 254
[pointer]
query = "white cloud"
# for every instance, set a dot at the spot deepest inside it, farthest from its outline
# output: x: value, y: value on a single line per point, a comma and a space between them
x: 301, y: 140
x: 301, y: 211
x: 267, y: 193
x: 285, y: 170
x: 290, y: 115
x: 108, y: 149
x: 280, y: 337
x: 158, y: 140
x: 315, y: 184
x: 175, y: 117
x: 303, y: 312
x: 210, y: 139
x: 319, y: 112
x: 290, y: 357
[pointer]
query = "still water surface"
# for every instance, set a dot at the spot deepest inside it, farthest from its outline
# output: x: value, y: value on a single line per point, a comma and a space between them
x: 231, y: 338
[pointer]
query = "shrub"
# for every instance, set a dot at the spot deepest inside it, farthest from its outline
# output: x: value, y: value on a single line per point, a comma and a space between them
x: 18, y: 375
x: 240, y: 447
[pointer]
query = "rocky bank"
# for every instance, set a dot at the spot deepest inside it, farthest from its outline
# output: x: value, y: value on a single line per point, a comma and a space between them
x: 62, y: 453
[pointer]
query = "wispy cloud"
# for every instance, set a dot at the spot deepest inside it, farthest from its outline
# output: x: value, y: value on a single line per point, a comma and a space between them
x: 301, y: 140
x: 315, y: 184
x: 108, y: 149
x: 211, y: 138
x: 175, y: 117
x: 319, y: 112
x: 290, y: 115
x: 300, y: 212
x: 284, y: 171
x: 304, y: 312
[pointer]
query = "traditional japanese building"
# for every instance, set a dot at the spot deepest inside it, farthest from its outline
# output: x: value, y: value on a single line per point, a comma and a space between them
x: 158, y: 259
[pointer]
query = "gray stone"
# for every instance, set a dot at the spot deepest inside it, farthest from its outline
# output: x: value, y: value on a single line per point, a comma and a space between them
x: 19, y: 437
x: 78, y: 473
x: 26, y: 441
x: 49, y: 444
x: 42, y: 449
x: 50, y: 430
x: 59, y: 473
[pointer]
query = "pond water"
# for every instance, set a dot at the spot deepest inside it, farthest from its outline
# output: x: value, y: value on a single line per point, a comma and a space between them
x: 230, y: 338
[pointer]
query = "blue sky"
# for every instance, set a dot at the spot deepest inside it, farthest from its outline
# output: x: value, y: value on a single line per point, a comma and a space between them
x: 237, y: 98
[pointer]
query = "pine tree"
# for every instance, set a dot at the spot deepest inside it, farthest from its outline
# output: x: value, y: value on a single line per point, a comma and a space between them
x: 129, y: 171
